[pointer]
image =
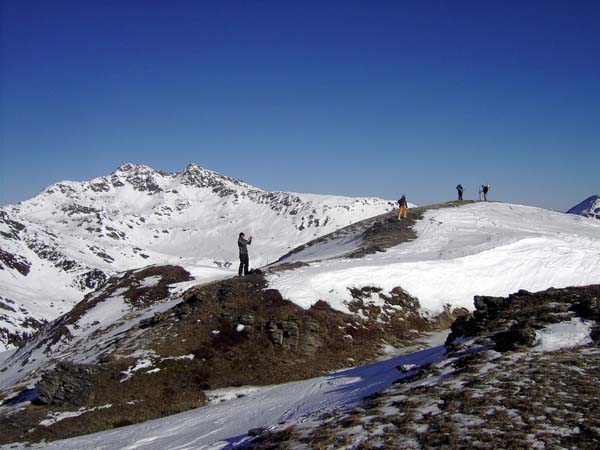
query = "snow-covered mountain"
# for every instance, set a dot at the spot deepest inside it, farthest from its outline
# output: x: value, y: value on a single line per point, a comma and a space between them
x: 590, y: 207
x: 70, y: 238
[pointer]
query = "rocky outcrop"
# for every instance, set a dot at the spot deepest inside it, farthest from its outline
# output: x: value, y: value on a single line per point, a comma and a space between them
x: 511, y: 322
x: 295, y: 335
x: 67, y: 385
x: 13, y: 228
x: 19, y: 263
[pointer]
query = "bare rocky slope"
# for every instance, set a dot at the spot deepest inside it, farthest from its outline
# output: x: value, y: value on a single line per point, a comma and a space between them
x: 494, y: 389
x: 228, y: 333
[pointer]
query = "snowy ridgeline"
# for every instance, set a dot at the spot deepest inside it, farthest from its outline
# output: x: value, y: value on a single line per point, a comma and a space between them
x: 477, y: 249
x: 67, y: 240
x: 304, y: 404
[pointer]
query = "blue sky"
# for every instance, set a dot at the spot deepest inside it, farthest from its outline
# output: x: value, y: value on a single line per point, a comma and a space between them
x: 362, y: 98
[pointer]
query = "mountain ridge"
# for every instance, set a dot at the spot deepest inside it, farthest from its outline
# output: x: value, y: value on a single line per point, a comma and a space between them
x: 71, y: 237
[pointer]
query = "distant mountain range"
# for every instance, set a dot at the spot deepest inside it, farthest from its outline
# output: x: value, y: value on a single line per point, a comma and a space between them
x: 590, y: 207
x: 68, y: 240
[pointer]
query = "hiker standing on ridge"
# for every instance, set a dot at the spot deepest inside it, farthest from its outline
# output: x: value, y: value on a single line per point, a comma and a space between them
x: 403, y: 207
x: 485, y: 188
x: 460, y: 190
x: 244, y: 260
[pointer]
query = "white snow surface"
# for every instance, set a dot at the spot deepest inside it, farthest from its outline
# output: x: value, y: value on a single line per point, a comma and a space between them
x: 556, y: 336
x: 475, y: 249
x: 139, y: 216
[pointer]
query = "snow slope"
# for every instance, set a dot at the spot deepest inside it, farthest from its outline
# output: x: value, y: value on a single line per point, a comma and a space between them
x: 476, y: 249
x: 66, y: 241
x: 590, y: 207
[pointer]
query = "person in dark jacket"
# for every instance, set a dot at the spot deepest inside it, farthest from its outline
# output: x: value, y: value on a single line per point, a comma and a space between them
x: 460, y: 190
x: 403, y: 207
x: 484, y: 189
x: 244, y: 260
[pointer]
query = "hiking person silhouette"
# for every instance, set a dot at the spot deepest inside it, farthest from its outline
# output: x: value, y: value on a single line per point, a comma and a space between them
x: 484, y: 189
x: 403, y: 207
x: 460, y: 190
x: 244, y: 260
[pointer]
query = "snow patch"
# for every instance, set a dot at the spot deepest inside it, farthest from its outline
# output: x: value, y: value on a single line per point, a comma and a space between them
x: 141, y: 364
x: 556, y: 336
x: 58, y: 416
x: 149, y: 282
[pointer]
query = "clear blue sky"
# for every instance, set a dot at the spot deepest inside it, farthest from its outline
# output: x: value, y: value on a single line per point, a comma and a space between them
x: 363, y: 98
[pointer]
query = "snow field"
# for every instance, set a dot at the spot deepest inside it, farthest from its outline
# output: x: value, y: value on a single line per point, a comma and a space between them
x: 477, y: 249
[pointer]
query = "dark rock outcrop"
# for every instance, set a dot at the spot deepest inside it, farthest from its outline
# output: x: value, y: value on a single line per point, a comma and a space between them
x: 512, y: 321
x: 518, y: 335
x: 17, y: 262
x: 67, y: 385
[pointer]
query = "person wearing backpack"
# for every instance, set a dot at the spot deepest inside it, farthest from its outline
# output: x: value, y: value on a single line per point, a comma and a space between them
x: 403, y: 207
x: 460, y: 190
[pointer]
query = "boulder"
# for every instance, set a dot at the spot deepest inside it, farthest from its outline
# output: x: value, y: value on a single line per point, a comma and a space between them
x: 67, y: 384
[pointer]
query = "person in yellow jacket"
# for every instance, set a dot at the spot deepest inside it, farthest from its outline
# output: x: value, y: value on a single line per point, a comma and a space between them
x: 403, y: 207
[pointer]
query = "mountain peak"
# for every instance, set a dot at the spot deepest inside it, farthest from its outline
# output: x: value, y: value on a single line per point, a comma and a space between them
x: 193, y: 167
x: 140, y: 176
x: 198, y: 176
x: 590, y: 207
x: 130, y: 168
